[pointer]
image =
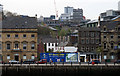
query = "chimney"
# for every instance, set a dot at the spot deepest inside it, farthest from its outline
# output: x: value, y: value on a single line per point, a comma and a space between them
x: 98, y: 21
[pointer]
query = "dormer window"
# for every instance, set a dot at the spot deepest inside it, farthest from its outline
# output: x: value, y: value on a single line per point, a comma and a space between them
x: 104, y: 29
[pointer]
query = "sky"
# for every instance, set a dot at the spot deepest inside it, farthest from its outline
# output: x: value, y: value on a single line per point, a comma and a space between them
x: 91, y: 8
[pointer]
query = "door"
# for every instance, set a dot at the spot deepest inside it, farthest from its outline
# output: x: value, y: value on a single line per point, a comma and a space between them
x: 82, y: 59
x: 17, y: 58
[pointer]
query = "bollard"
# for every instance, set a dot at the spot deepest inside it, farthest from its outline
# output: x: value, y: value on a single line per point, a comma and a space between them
x: 88, y: 63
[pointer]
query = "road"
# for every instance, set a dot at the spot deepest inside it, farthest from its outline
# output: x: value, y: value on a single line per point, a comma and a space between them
x: 61, y: 64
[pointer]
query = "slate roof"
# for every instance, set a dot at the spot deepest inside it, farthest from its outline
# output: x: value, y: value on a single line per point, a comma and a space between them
x: 15, y: 22
x: 110, y: 24
x: 89, y: 29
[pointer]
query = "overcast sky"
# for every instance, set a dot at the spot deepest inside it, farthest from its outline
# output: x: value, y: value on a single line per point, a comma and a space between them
x: 91, y: 8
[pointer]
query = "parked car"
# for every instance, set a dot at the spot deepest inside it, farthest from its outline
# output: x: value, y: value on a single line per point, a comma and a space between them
x: 13, y: 62
x: 117, y: 61
x: 1, y: 62
x: 42, y: 61
x: 94, y: 62
x: 29, y: 61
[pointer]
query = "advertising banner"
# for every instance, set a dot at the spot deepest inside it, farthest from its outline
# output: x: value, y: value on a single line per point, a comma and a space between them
x: 71, y: 57
x: 53, y: 57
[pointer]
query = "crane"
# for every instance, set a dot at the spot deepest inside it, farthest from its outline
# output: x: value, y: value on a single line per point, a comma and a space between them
x: 56, y: 9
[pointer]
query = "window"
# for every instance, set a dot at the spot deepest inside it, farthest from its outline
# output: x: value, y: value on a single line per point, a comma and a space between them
x: 8, y: 46
x: 16, y: 36
x: 82, y: 41
x: 48, y: 44
x: 92, y: 41
x: 87, y: 49
x: 104, y: 45
x: 8, y: 36
x: 92, y: 34
x: 112, y: 45
x: 0, y: 46
x: 97, y: 41
x: 87, y: 41
x: 82, y: 48
x: 33, y: 46
x: 92, y: 48
x: 105, y: 57
x: 32, y: 57
x: 24, y: 46
x: 112, y: 56
x: 16, y: 45
x: 24, y: 35
x: 112, y: 36
x: 8, y: 56
x: 97, y: 34
x: 104, y: 36
x: 118, y: 36
x: 56, y: 44
x: 32, y: 35
x: 24, y: 56
x: 104, y: 29
x: 87, y: 34
x: 52, y: 44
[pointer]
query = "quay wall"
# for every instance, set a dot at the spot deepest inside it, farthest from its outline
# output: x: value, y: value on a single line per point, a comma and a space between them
x: 60, y: 70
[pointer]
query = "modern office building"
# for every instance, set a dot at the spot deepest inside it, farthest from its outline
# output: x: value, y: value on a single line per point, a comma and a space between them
x: 68, y: 10
x: 78, y: 14
x: 109, y: 14
x: 119, y: 5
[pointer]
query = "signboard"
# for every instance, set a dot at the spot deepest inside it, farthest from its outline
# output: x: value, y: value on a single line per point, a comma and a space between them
x: 71, y: 57
x: 53, y: 57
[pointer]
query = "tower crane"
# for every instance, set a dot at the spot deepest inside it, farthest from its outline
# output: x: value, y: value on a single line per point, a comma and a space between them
x: 56, y: 9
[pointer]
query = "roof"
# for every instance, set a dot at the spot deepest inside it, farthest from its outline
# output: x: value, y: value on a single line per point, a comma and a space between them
x: 50, y: 40
x: 117, y: 18
x: 89, y: 29
x: 14, y: 22
x: 61, y: 44
x: 110, y: 24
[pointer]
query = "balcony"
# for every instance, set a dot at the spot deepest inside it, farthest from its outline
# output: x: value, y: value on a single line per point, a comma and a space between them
x: 16, y: 50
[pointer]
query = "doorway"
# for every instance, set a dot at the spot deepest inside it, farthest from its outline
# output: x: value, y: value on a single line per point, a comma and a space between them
x: 82, y: 59
x: 16, y: 58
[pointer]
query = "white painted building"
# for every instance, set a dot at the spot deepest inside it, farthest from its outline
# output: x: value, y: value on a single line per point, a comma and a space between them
x: 66, y: 48
x: 65, y: 16
x: 51, y: 46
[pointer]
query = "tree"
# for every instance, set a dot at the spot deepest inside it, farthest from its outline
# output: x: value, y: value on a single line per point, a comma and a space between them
x: 100, y: 50
x: 8, y: 13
